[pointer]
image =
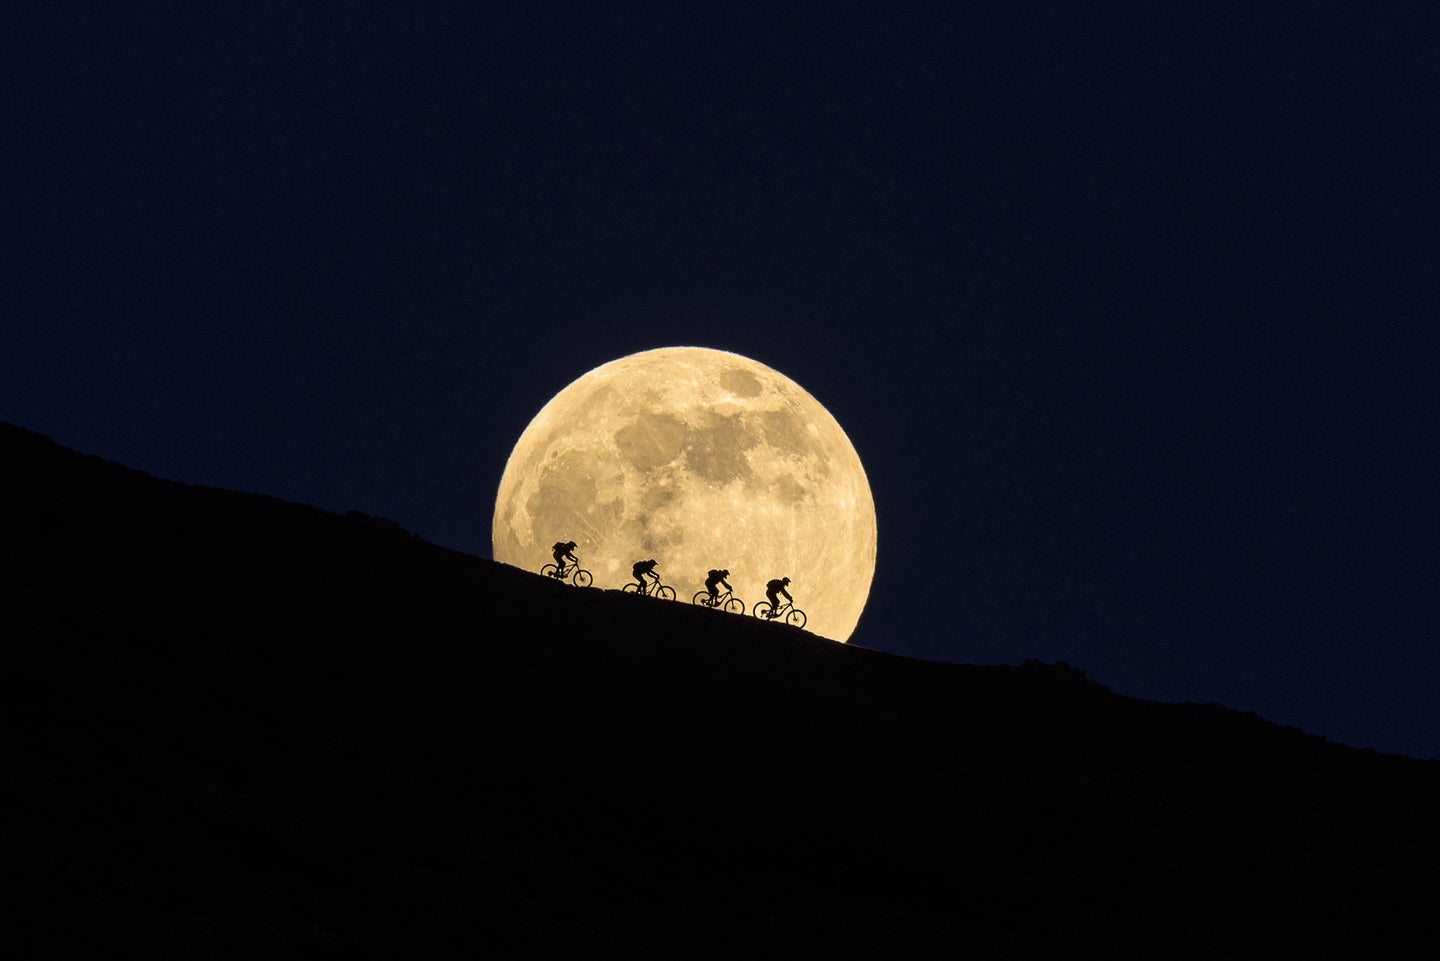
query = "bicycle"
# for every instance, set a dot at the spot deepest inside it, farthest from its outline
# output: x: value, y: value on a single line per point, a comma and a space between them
x: 663, y: 591
x: 792, y: 614
x: 722, y: 602
x: 573, y: 572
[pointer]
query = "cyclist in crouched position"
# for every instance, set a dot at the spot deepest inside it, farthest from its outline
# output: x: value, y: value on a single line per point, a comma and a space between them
x: 773, y: 588
x: 642, y: 569
x: 563, y: 551
x: 713, y: 578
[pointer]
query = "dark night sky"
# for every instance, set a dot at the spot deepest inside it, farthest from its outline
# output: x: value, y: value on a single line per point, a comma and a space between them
x: 1129, y: 310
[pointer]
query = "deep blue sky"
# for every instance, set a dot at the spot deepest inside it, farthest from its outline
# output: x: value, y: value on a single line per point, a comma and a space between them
x: 1130, y: 310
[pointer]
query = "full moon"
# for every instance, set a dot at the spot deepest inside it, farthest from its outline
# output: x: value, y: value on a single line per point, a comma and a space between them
x: 700, y: 459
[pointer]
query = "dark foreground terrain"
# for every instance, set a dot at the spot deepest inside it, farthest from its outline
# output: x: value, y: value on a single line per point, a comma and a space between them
x: 245, y: 728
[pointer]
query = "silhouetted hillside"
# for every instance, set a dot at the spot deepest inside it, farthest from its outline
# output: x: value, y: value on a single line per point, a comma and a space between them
x: 246, y: 728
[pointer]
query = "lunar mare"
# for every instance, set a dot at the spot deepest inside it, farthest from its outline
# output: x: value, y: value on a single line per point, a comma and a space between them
x: 701, y: 459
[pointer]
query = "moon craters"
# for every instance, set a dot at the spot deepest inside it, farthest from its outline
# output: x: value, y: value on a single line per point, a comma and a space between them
x: 652, y: 440
x: 716, y: 451
x: 741, y: 383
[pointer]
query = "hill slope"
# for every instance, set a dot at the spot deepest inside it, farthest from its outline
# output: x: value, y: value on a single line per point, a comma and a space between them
x: 246, y: 728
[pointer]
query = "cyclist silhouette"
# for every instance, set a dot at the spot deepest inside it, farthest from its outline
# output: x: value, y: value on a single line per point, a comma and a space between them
x: 642, y: 568
x: 773, y: 588
x: 562, y: 551
x: 713, y: 578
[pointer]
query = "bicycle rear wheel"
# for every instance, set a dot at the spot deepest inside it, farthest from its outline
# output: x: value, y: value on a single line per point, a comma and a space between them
x: 762, y: 610
x: 582, y: 578
x: 795, y: 618
x: 548, y: 570
x: 630, y: 588
x: 702, y: 598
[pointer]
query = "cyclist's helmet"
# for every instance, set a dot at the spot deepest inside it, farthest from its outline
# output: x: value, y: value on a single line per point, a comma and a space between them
x: 785, y: 581
x: 570, y: 544
x: 724, y: 573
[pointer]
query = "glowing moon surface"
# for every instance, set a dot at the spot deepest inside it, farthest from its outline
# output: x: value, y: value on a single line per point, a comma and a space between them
x: 700, y: 459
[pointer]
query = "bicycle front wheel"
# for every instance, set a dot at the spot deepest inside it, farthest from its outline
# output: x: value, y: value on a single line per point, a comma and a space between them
x: 735, y: 606
x: 582, y: 578
x: 795, y: 618
x: 665, y: 592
